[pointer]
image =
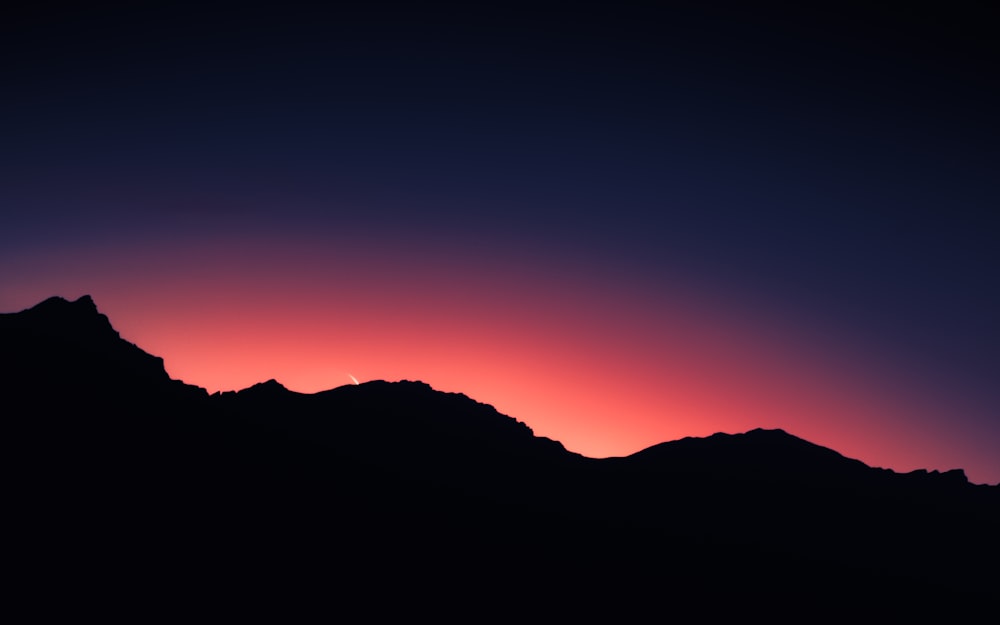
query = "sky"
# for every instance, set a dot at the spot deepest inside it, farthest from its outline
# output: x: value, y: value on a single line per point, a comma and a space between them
x: 621, y: 225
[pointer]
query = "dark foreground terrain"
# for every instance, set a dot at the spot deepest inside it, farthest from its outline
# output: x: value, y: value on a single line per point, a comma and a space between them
x: 135, y: 496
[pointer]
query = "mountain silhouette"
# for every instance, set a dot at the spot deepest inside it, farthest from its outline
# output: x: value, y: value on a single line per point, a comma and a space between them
x: 384, y: 498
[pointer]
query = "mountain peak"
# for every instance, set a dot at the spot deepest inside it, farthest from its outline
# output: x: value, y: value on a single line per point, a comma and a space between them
x: 79, y: 318
x: 87, y: 301
x: 775, y: 432
x: 75, y: 339
x: 84, y: 302
x: 758, y: 452
x: 269, y: 389
x: 269, y: 385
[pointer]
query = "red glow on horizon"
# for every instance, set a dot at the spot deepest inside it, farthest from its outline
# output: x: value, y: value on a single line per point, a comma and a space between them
x: 600, y: 365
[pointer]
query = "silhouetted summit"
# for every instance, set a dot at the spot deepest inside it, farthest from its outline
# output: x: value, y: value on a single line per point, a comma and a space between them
x: 70, y: 347
x: 393, y: 494
x: 270, y: 388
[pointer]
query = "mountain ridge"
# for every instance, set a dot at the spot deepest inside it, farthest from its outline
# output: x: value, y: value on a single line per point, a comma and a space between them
x: 414, y: 475
x: 84, y: 309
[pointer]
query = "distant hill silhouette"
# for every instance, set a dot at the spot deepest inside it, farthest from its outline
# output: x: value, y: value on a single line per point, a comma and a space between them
x: 129, y: 490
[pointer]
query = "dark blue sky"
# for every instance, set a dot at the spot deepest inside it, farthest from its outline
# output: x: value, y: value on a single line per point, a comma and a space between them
x: 836, y: 166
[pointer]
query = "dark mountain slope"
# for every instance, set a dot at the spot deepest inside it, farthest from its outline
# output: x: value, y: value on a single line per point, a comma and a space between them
x: 71, y: 347
x: 771, y: 493
x: 397, y: 497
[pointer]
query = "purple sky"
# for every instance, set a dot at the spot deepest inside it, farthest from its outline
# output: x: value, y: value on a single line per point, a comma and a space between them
x: 826, y: 175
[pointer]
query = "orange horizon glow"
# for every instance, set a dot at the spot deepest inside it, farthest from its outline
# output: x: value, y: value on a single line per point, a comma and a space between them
x: 605, y: 365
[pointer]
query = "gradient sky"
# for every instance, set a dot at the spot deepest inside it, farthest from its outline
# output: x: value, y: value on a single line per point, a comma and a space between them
x: 620, y: 226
